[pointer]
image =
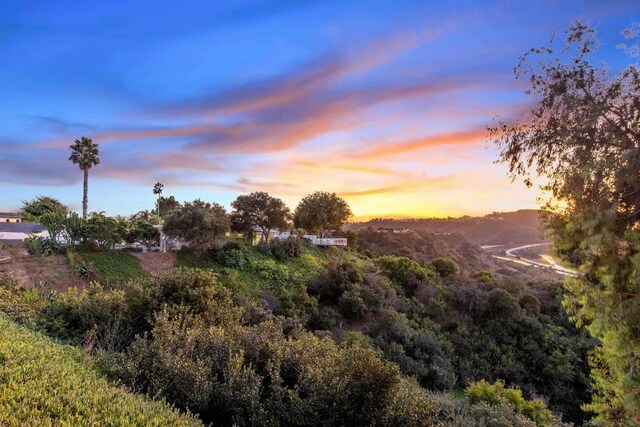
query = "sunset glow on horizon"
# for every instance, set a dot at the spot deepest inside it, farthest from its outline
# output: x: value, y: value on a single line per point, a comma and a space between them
x: 384, y: 103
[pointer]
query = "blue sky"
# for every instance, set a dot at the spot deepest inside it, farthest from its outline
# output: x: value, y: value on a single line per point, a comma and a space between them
x: 385, y: 103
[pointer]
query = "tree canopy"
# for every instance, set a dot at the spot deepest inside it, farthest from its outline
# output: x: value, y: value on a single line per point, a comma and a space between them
x: 200, y: 223
x: 85, y: 154
x: 260, y: 210
x: 167, y: 205
x: 583, y: 137
x: 321, y: 212
x: 32, y: 210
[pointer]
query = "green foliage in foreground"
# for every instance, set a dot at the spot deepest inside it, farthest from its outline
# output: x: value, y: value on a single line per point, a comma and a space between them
x: 114, y: 267
x: 44, y: 383
x: 185, y: 337
x: 497, y: 393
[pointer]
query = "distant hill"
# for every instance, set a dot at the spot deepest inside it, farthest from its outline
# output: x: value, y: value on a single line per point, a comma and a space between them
x: 422, y: 246
x: 499, y: 228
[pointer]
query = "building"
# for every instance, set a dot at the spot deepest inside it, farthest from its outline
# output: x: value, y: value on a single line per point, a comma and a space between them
x: 10, y: 217
x: 315, y: 240
x: 17, y: 232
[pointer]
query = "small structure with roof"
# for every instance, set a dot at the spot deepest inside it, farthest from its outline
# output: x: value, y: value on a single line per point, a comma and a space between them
x: 10, y: 217
x: 18, y: 231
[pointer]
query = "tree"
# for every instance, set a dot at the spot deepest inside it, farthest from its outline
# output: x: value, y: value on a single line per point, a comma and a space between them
x: 54, y: 223
x: 320, y: 212
x: 103, y: 230
x: 583, y: 139
x: 157, y: 190
x: 142, y: 231
x: 260, y: 210
x: 84, y: 153
x: 32, y: 210
x: 444, y: 266
x: 167, y: 205
x: 197, y: 222
x: 74, y: 228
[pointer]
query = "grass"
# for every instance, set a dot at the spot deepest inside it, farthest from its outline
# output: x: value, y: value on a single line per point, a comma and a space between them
x: 46, y: 383
x: 114, y: 267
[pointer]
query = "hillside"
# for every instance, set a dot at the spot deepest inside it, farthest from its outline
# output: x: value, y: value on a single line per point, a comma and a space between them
x: 45, y: 383
x: 422, y: 246
x: 501, y: 228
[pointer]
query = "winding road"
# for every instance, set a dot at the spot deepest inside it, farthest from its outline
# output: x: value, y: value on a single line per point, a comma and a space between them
x: 550, y: 262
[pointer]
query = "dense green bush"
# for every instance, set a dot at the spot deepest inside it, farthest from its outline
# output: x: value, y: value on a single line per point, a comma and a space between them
x: 142, y: 231
x: 257, y: 375
x: 42, y: 246
x: 103, y: 231
x: 270, y: 271
x: 352, y: 305
x: 339, y: 278
x: 287, y: 249
x: 497, y: 393
x: 232, y: 255
x: 407, y: 275
x: 484, y: 276
x: 102, y: 319
x: 464, y: 331
x: 419, y: 351
x: 325, y: 318
x: 444, y: 266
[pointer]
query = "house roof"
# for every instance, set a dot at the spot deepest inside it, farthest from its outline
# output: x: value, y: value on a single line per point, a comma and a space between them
x: 9, y: 215
x: 20, y: 227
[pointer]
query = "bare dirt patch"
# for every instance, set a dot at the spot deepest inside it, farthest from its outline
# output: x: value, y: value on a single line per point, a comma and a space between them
x: 52, y: 272
x: 156, y: 262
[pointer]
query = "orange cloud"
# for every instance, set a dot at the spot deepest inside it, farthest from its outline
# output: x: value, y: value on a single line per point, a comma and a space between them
x: 386, y: 149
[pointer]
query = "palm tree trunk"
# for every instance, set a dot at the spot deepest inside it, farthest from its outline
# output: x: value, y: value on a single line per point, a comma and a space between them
x: 85, y: 192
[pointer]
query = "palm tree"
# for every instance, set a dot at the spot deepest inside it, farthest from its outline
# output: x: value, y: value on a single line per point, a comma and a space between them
x: 157, y: 189
x: 84, y: 153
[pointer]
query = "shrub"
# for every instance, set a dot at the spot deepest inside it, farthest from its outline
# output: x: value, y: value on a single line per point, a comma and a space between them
x: 530, y: 304
x: 497, y: 393
x: 255, y: 375
x: 355, y: 338
x: 103, y: 231
x: 232, y: 255
x: 338, y: 279
x: 444, y: 266
x: 287, y: 249
x: 87, y: 270
x: 43, y: 383
x: 352, y: 305
x: 109, y: 319
x: 54, y: 223
x: 42, y: 246
x: 74, y: 228
x: 498, y: 304
x: 406, y: 274
x: 23, y: 305
x: 144, y: 232
x: 323, y: 319
x: 270, y: 271
x: 484, y: 276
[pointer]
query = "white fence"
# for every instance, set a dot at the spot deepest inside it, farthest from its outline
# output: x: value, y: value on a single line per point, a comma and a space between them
x: 329, y: 241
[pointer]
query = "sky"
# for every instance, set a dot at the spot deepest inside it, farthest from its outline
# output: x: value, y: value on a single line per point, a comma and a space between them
x: 384, y: 102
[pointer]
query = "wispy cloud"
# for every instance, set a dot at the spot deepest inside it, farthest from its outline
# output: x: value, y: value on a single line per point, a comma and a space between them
x: 391, y: 148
